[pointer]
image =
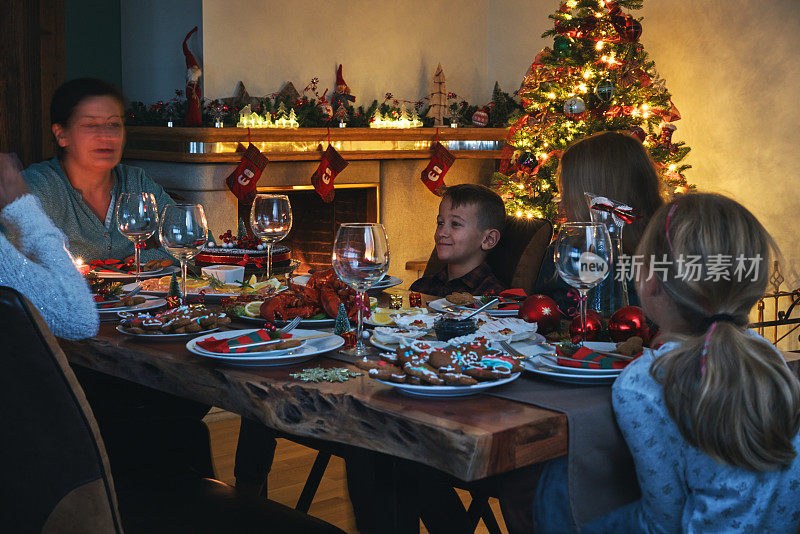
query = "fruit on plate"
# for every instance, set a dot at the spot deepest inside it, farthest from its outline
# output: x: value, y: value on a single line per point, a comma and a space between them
x: 382, y: 317
x: 253, y: 309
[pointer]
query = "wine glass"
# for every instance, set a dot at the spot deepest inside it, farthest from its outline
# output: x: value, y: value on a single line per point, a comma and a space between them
x: 583, y: 259
x: 137, y: 219
x: 271, y: 221
x: 183, y: 232
x: 360, y: 258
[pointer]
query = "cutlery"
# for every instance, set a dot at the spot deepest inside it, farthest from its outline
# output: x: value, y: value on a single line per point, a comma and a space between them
x: 291, y: 325
x: 485, y: 306
x: 512, y: 351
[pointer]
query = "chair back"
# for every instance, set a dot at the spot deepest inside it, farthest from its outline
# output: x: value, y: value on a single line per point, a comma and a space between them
x: 56, y: 469
x: 517, y: 257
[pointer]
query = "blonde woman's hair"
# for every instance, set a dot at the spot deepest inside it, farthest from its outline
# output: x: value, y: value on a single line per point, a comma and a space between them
x: 730, y: 393
x: 613, y: 165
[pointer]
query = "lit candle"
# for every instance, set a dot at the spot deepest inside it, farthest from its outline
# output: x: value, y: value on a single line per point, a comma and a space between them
x: 82, y: 267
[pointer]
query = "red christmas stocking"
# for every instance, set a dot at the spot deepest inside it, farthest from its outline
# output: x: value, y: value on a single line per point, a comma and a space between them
x: 433, y: 175
x: 331, y: 165
x: 242, y: 182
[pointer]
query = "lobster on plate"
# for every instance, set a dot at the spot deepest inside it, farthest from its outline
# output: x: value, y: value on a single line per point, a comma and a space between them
x: 323, y: 293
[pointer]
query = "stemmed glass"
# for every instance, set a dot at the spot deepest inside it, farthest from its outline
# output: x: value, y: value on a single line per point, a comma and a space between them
x: 137, y: 219
x: 271, y: 221
x: 360, y: 258
x: 183, y: 232
x: 583, y: 258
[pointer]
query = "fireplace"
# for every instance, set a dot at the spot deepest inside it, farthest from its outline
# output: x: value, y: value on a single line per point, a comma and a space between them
x: 315, y: 222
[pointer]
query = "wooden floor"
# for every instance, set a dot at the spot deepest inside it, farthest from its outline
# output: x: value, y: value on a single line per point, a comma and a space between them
x: 292, y: 464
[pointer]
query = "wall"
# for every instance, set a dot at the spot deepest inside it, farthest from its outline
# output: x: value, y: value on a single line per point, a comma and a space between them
x: 384, y: 46
x: 152, y: 32
x: 93, y: 47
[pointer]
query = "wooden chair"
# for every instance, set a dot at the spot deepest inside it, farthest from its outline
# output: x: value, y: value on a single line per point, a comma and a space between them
x: 518, y: 256
x: 57, y: 472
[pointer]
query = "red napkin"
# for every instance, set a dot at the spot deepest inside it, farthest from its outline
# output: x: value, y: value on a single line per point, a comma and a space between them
x: 233, y: 345
x: 591, y: 360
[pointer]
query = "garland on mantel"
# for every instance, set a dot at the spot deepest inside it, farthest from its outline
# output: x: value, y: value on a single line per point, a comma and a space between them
x: 309, y: 109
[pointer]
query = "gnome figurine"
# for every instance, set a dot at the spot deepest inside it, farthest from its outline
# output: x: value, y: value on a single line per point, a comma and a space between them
x: 194, y: 93
x: 341, y: 96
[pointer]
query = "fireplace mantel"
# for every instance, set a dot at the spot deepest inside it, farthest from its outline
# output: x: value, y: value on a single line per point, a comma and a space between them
x: 218, y: 145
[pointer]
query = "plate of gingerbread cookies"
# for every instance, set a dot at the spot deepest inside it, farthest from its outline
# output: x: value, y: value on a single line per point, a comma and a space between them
x: 430, y: 369
x: 177, y: 323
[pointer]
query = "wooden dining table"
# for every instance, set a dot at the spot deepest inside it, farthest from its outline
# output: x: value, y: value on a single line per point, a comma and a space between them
x: 470, y: 438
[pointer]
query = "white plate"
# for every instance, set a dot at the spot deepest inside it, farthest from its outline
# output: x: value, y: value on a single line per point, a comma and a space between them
x: 535, y: 352
x: 311, y: 348
x: 559, y: 376
x: 442, y: 305
x: 215, y: 297
x: 111, y: 275
x: 386, y: 282
x: 165, y: 337
x: 313, y: 323
x: 151, y: 303
x: 448, y: 391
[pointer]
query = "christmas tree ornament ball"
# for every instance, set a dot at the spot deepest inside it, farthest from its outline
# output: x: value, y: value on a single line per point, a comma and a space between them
x: 638, y: 132
x: 627, y: 322
x: 605, y: 91
x: 562, y: 45
x: 574, y: 107
x: 541, y: 310
x: 480, y: 118
x: 594, y: 326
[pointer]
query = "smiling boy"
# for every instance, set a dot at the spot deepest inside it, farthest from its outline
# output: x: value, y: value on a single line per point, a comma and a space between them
x: 471, y: 218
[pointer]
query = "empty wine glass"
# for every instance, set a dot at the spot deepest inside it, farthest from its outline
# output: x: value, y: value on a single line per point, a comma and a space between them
x: 271, y: 221
x: 183, y: 232
x: 360, y: 258
x: 583, y: 258
x: 137, y: 219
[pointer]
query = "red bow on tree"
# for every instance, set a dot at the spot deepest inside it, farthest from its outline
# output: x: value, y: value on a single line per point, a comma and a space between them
x: 624, y: 213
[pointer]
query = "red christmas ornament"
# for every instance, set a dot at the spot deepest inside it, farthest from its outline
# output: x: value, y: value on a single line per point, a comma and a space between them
x: 628, y: 322
x: 480, y: 118
x: 541, y: 310
x: 594, y: 325
x: 638, y: 132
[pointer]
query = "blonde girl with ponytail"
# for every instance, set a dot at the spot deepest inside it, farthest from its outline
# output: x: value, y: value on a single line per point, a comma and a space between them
x: 712, y: 416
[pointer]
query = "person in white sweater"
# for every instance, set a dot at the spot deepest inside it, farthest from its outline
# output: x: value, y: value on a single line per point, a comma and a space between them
x: 35, y: 261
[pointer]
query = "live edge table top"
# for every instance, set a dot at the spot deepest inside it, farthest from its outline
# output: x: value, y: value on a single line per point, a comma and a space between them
x: 470, y: 438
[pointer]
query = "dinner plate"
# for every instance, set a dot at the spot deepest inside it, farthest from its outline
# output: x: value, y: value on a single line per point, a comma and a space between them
x: 150, y: 303
x: 312, y: 323
x: 442, y: 305
x: 386, y: 282
x: 442, y: 392
x: 113, y: 275
x: 569, y: 378
x: 311, y: 348
x: 165, y: 337
x: 191, y: 294
x: 536, y: 353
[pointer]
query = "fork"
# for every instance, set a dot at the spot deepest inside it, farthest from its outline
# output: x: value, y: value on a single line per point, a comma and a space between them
x: 291, y: 325
x: 512, y: 351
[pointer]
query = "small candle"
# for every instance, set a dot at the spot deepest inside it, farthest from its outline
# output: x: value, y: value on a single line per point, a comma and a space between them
x: 341, y: 125
x: 169, y: 124
x: 82, y: 267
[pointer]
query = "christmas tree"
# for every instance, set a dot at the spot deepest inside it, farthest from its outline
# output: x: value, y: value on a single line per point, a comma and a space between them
x: 438, y: 110
x: 341, y: 114
x: 597, y: 77
x: 342, y: 323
